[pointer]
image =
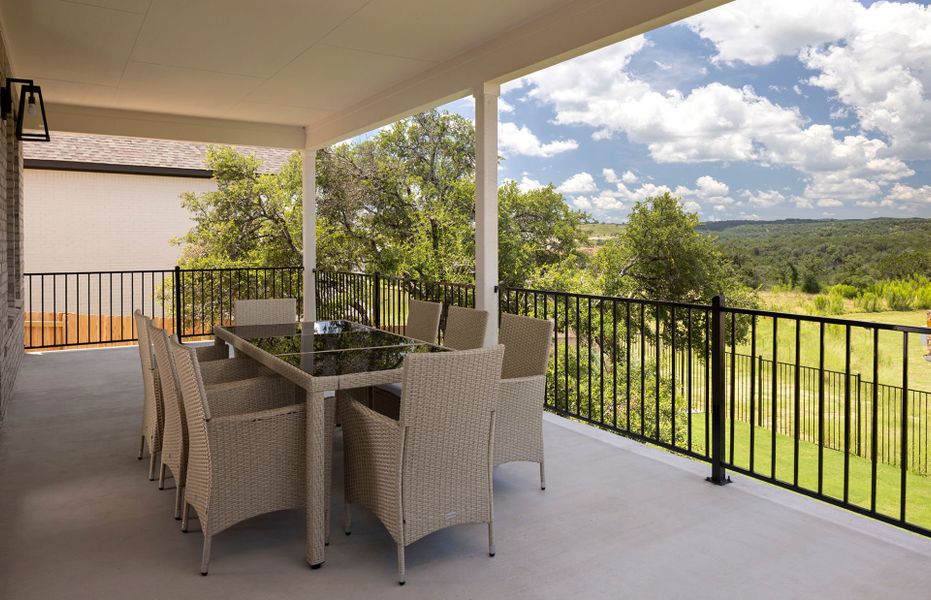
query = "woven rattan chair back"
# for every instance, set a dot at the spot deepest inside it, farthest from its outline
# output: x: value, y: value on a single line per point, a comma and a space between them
x: 465, y: 328
x: 447, y: 415
x: 152, y: 408
x: 196, y: 415
x: 526, y: 343
x: 174, y: 435
x: 423, y: 320
x: 265, y: 312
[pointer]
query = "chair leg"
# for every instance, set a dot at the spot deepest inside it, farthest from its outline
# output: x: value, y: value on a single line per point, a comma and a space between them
x: 141, y: 447
x: 205, y: 556
x: 347, y: 519
x: 161, y: 476
x: 401, y: 578
x: 152, y: 466
x: 179, y: 499
x: 185, y: 516
x: 542, y: 476
x: 491, y: 538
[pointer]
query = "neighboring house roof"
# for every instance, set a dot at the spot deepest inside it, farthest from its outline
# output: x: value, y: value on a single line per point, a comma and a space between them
x: 96, y: 153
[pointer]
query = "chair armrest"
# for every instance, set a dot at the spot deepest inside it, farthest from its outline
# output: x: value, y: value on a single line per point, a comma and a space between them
x: 533, y: 386
x: 211, y: 353
x: 250, y: 395
x: 222, y: 371
x: 372, y: 462
x: 260, y: 458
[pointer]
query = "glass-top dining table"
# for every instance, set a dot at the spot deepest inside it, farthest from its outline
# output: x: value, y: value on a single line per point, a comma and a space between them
x: 319, y: 357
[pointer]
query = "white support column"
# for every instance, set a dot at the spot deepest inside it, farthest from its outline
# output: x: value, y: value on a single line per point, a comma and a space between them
x: 486, y: 205
x: 310, y: 233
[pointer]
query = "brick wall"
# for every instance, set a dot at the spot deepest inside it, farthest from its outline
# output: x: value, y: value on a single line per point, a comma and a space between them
x: 11, y: 249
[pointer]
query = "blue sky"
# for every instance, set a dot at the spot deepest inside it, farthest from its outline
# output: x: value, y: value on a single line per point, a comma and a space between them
x: 754, y: 110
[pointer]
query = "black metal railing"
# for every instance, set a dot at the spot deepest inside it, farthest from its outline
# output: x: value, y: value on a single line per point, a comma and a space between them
x: 824, y: 406
x: 91, y: 308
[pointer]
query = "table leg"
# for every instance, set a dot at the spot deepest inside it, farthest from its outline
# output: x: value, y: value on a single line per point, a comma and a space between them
x: 317, y: 493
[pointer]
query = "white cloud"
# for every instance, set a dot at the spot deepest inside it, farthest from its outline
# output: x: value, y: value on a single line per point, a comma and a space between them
x: 582, y: 202
x: 609, y: 175
x: 829, y: 203
x: 579, y: 183
x: 629, y: 177
x: 504, y: 106
x: 709, y: 186
x: 764, y: 198
x: 527, y: 184
x: 906, y: 193
x: 521, y: 141
x: 757, y: 33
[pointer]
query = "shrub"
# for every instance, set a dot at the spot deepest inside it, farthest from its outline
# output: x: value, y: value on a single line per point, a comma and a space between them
x: 899, y: 295
x: 829, y: 304
x: 810, y: 284
x: 844, y: 291
x: 869, y: 302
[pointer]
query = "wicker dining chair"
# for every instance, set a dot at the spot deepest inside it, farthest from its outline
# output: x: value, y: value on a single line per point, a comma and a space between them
x: 432, y: 468
x: 174, y: 434
x: 423, y: 320
x: 519, y: 428
x: 153, y: 418
x: 153, y: 407
x: 245, y: 448
x: 423, y: 323
x: 465, y: 328
x: 265, y: 312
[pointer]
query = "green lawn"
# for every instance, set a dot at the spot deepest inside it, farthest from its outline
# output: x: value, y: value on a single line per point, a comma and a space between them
x: 918, y: 488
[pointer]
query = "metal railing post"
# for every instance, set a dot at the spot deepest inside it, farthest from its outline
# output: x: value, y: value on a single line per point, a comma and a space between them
x: 179, y: 318
x: 718, y: 474
x: 376, y: 300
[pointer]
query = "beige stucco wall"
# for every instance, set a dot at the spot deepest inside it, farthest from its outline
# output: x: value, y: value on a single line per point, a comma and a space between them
x: 78, y: 221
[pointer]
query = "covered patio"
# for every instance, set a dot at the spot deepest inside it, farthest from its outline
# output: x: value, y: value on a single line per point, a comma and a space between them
x: 618, y: 519
x: 78, y: 518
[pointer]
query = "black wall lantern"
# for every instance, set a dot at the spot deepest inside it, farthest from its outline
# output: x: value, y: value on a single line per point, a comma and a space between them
x: 31, y: 125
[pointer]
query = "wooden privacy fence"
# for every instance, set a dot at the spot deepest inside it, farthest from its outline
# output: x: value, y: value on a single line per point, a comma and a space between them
x: 65, y: 331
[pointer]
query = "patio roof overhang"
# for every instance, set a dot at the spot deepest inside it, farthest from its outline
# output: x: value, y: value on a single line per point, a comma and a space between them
x: 293, y: 74
x: 307, y: 73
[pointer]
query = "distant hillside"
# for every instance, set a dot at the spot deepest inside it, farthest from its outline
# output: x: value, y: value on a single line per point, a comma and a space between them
x: 857, y: 252
x: 819, y: 251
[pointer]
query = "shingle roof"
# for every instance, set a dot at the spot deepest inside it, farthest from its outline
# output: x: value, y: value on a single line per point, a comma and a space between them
x: 139, y: 152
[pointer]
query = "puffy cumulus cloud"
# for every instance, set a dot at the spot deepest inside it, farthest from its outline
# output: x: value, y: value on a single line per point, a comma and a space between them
x: 582, y: 202
x: 527, y: 184
x: 504, y: 106
x: 906, y: 193
x: 713, y: 123
x: 764, y: 198
x: 873, y: 59
x: 520, y: 140
x: 609, y: 175
x: 829, y: 203
x: 757, y: 33
x: 882, y: 70
x: 629, y: 177
x: 709, y: 186
x: 579, y: 183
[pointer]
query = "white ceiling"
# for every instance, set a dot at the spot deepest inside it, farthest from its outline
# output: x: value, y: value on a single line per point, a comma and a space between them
x: 287, y: 62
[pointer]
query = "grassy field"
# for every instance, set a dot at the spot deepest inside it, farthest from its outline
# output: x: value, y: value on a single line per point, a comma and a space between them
x: 888, y: 478
x: 861, y: 342
x: 602, y: 229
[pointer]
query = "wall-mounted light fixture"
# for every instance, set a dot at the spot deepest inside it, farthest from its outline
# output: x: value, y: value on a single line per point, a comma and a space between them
x: 31, y: 125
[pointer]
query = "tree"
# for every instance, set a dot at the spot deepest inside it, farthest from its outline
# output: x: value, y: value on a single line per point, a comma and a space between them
x: 660, y: 255
x: 401, y: 202
x: 251, y: 218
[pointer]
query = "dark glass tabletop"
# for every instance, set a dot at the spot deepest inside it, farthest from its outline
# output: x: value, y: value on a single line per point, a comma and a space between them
x: 347, y: 362
x: 328, y: 348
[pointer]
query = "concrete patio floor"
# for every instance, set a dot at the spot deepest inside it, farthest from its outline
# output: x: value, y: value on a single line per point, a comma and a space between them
x: 79, y: 519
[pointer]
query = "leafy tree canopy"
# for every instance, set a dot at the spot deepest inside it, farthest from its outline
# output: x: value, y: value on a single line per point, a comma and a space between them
x: 659, y: 255
x: 401, y: 202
